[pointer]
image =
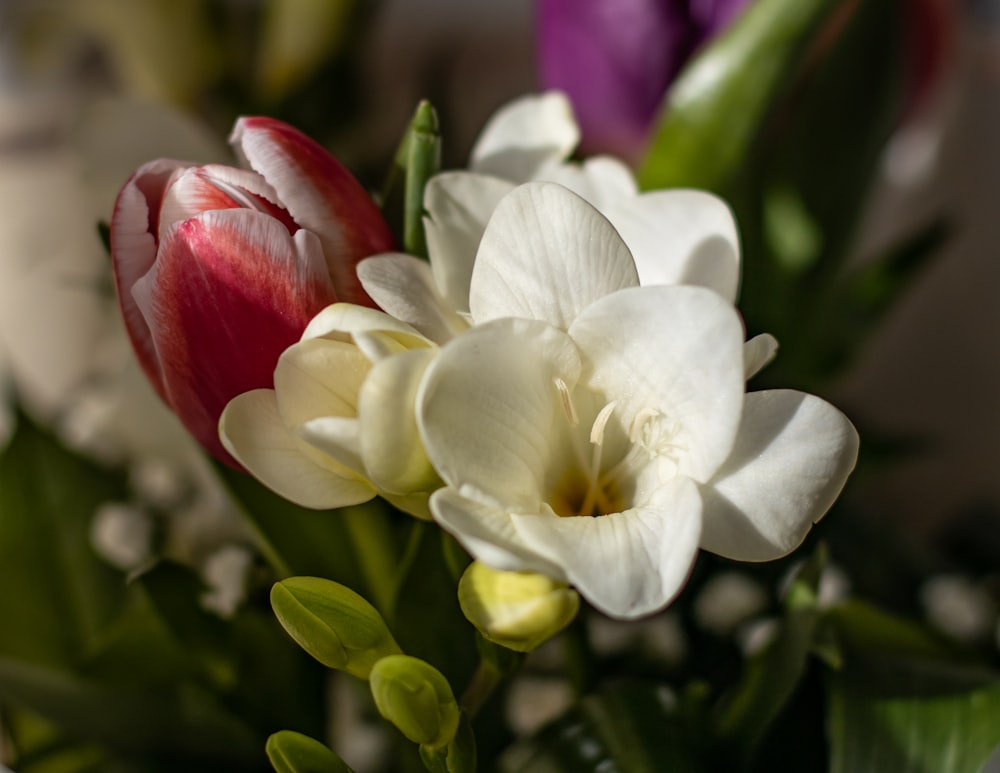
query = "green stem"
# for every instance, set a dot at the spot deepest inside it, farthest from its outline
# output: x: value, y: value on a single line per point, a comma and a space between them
x: 368, y: 529
x: 579, y: 657
x: 484, y: 681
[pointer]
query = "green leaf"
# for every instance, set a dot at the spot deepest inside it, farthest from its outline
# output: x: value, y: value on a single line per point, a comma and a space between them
x: 58, y: 596
x: 897, y: 713
x: 179, y: 722
x: 771, y: 677
x: 717, y: 107
x: 291, y: 752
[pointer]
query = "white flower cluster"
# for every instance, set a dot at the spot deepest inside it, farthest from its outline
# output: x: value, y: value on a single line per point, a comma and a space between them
x: 562, y: 386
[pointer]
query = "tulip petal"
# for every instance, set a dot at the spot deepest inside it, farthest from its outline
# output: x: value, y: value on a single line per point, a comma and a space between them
x: 253, y: 432
x: 547, y: 254
x: 404, y: 287
x: 626, y: 564
x: 459, y: 205
x: 133, y: 252
x: 203, y: 189
x: 681, y: 237
x: 487, y: 531
x: 391, y: 447
x: 524, y: 136
x: 230, y: 291
x: 791, y: 459
x: 488, y: 405
x: 676, y: 352
x: 320, y: 194
x: 614, y: 60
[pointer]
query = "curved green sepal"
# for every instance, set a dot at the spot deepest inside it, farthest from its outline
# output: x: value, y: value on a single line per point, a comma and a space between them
x: 291, y: 752
x: 333, y: 624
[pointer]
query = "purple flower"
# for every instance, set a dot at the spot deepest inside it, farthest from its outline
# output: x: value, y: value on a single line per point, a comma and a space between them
x: 616, y: 58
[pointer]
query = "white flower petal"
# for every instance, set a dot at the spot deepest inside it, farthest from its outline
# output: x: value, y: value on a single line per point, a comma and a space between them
x: 459, y: 205
x: 404, y: 287
x: 487, y: 532
x: 487, y: 407
x: 676, y: 351
x: 627, y: 564
x: 391, y: 447
x: 251, y: 430
x: 338, y: 320
x: 318, y: 378
x: 525, y: 135
x: 758, y: 352
x: 681, y: 237
x: 336, y: 437
x: 604, y: 181
x: 547, y: 254
x: 791, y: 459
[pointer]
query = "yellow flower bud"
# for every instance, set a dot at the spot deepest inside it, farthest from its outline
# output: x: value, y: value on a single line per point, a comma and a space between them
x: 518, y: 610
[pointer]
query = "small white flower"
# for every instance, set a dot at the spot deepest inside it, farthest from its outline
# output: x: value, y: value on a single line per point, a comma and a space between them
x: 673, y: 236
x: 339, y: 425
x: 599, y: 432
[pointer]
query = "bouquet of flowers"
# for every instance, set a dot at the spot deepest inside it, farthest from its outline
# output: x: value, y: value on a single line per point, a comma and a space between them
x: 513, y: 475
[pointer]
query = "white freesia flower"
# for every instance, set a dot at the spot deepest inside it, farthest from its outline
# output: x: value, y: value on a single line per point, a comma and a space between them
x: 339, y: 425
x: 674, y: 236
x: 599, y: 432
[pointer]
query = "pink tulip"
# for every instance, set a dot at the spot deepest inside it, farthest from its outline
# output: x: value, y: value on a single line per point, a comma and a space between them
x: 219, y: 269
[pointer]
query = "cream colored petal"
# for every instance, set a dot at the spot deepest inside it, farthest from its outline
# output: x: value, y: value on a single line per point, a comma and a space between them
x: 391, y: 447
x: 628, y: 564
x: 547, y: 254
x: 489, y: 407
x: 672, y: 358
x: 319, y: 378
x: 459, y: 205
x: 404, y: 287
x: 791, y: 460
x: 526, y: 135
x: 251, y: 430
x: 757, y: 353
x: 681, y: 237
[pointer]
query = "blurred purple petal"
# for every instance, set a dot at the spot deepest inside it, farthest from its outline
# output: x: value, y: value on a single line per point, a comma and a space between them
x: 616, y: 58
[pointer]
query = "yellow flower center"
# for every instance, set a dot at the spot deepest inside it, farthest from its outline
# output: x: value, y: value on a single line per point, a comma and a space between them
x: 585, y: 488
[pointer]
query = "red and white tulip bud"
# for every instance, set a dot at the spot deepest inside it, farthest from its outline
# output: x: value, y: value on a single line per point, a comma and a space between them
x: 219, y: 269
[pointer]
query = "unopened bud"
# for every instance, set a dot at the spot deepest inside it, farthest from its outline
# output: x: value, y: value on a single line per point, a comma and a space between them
x: 416, y: 698
x: 333, y: 624
x: 518, y: 610
x: 291, y: 752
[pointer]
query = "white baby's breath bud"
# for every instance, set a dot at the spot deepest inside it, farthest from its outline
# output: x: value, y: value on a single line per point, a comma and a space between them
x: 122, y: 534
x: 728, y: 600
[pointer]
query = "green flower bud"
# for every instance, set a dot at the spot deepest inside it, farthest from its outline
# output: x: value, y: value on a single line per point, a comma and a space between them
x: 416, y: 698
x: 333, y: 624
x: 518, y: 610
x: 291, y: 752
